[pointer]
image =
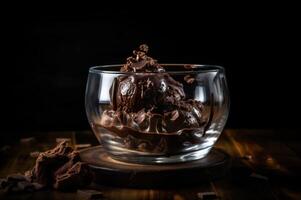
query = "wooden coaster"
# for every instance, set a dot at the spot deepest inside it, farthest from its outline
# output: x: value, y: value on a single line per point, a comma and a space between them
x: 117, y: 173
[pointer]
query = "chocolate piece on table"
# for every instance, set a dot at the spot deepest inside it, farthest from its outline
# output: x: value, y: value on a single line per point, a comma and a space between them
x: 77, y: 176
x: 18, y: 183
x: 16, y: 177
x: 59, y: 167
x: 73, y: 159
x: 48, y: 162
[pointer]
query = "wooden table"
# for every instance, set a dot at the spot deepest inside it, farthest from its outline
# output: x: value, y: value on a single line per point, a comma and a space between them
x: 266, y: 165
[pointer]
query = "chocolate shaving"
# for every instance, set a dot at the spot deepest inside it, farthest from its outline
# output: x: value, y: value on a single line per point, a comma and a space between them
x: 140, y: 62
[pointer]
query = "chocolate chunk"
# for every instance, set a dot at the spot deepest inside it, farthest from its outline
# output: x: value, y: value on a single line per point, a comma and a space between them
x: 59, y: 168
x: 16, y: 177
x: 78, y: 175
x: 73, y: 159
x: 18, y: 183
x: 54, y: 162
x: 144, y: 48
x: 140, y: 62
x: 48, y: 162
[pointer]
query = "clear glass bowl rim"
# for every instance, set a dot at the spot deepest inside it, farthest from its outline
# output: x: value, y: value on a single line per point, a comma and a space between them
x: 197, y: 68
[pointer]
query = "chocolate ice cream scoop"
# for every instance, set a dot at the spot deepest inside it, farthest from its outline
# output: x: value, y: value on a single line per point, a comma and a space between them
x: 150, y: 100
x: 148, y: 91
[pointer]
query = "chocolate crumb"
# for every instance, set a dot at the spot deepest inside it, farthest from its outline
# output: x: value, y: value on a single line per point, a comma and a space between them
x: 16, y: 177
x: 144, y: 48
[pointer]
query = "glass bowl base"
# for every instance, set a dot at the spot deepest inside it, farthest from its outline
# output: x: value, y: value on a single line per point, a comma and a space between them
x: 164, y: 159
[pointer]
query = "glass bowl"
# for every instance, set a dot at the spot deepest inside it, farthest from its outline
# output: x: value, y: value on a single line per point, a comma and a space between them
x: 150, y: 128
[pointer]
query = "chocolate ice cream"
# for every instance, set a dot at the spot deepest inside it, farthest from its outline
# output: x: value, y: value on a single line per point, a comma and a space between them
x: 149, y: 107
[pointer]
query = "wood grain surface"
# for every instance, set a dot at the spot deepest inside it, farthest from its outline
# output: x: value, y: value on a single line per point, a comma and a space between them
x: 266, y: 164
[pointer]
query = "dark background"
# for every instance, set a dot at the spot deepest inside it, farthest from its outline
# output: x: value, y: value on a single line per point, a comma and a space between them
x: 48, y: 54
